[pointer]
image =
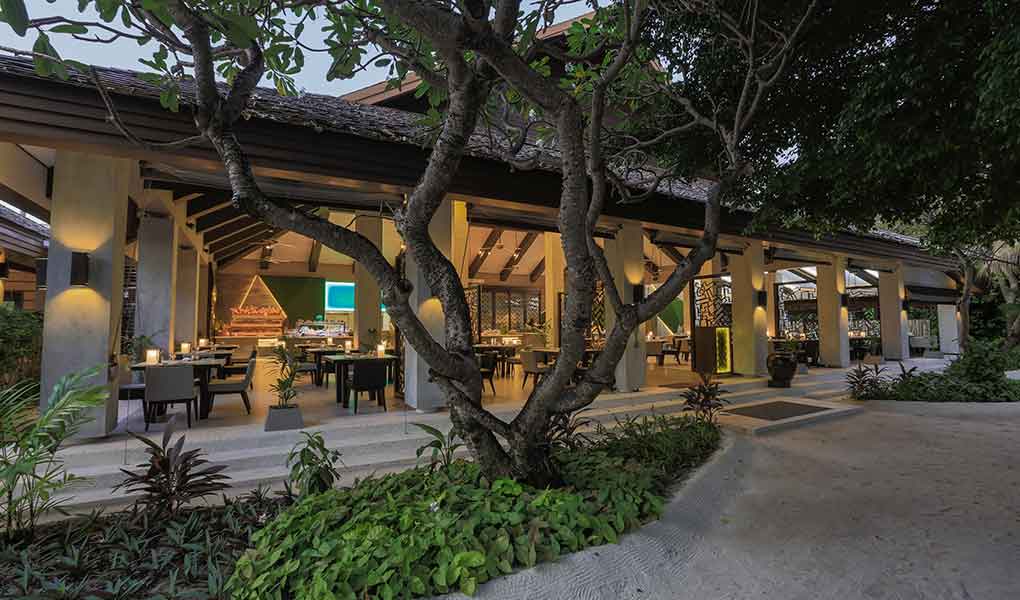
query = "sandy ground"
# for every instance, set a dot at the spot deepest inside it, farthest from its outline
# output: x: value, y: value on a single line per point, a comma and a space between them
x: 904, y: 501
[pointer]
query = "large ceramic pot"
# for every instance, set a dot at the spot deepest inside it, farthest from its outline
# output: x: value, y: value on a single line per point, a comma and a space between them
x: 782, y: 368
x: 281, y: 418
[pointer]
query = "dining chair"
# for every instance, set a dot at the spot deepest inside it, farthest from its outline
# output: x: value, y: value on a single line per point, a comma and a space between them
x: 236, y: 386
x: 487, y: 364
x: 168, y: 386
x: 685, y: 349
x: 369, y: 376
x: 531, y: 366
x: 239, y: 368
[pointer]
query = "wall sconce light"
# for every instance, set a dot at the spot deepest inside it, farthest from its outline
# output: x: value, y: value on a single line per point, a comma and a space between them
x: 762, y: 297
x: 40, y: 273
x: 906, y: 305
x: 5, y: 271
x: 79, y: 268
x: 844, y: 300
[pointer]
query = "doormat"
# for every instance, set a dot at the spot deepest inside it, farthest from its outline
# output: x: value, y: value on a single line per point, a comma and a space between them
x: 776, y: 411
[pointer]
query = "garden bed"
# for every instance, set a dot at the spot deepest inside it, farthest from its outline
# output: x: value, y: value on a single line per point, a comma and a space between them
x: 426, y: 531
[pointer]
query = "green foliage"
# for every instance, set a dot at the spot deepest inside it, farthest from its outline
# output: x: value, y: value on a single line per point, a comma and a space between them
x: 172, y: 477
x: 425, y: 532
x: 20, y: 345
x: 977, y: 376
x: 867, y: 383
x: 443, y: 446
x: 313, y: 465
x: 567, y: 431
x: 30, y: 472
x: 705, y: 399
x: 286, y: 375
x: 135, y: 554
x: 136, y: 347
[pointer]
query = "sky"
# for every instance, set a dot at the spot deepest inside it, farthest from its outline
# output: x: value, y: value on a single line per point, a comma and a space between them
x: 124, y: 54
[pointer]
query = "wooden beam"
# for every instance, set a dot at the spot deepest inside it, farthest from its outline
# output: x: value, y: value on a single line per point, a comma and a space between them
x: 234, y: 256
x: 314, y: 255
x: 240, y: 238
x: 673, y: 254
x: 538, y: 271
x: 218, y: 218
x: 651, y: 267
x: 522, y: 249
x: 804, y: 275
x: 211, y: 237
x: 490, y: 242
x: 205, y: 204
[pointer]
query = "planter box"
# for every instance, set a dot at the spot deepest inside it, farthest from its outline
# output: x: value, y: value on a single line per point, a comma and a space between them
x: 281, y: 419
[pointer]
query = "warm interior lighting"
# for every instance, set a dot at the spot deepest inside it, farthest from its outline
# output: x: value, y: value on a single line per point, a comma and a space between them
x: 79, y: 268
x: 202, y: 342
x: 381, y: 349
x: 347, y: 345
x: 152, y: 356
x: 329, y: 341
x: 185, y: 348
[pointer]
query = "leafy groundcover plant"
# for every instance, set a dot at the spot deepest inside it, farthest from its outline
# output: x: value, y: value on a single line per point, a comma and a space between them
x: 435, y: 530
x: 977, y: 376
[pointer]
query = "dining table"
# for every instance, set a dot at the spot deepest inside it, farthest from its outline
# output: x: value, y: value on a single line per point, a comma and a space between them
x: 317, y: 352
x: 342, y: 364
x: 203, y: 371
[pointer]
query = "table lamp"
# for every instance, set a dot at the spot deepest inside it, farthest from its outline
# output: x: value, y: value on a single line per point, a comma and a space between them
x: 152, y: 356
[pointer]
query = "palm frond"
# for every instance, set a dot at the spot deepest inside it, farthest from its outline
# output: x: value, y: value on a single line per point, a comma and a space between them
x: 18, y: 404
x: 68, y: 407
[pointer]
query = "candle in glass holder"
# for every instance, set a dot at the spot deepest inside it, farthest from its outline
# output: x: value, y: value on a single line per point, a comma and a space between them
x: 202, y: 342
x: 381, y: 349
x: 329, y: 341
x: 347, y: 345
x: 152, y: 357
x: 185, y: 348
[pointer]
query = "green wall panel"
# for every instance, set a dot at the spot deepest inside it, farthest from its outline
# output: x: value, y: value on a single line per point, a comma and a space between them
x: 300, y: 297
x: 673, y: 315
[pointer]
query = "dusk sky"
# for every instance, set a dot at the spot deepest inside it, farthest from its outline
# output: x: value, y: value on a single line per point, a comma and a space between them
x: 125, y: 53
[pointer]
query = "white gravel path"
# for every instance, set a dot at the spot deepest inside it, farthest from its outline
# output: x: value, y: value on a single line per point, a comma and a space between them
x: 904, y: 501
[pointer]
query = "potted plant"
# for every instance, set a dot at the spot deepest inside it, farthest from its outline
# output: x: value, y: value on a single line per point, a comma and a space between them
x: 284, y: 415
x: 782, y: 365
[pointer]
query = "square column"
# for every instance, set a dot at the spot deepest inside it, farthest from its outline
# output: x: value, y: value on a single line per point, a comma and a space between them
x: 770, y: 308
x: 81, y: 328
x: 157, y: 277
x: 949, y: 328
x: 420, y: 393
x: 891, y: 294
x: 204, y: 277
x: 186, y: 315
x: 750, y: 321
x: 625, y: 255
x: 555, y: 264
x: 367, y: 303
x: 833, y: 317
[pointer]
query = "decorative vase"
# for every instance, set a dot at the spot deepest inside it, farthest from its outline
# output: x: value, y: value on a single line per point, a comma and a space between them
x: 782, y: 367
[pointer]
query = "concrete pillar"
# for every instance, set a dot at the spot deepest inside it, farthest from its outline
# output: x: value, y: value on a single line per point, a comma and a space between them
x: 833, y: 318
x: 459, y: 242
x: 203, y: 301
x: 555, y: 263
x: 81, y: 328
x: 773, y: 303
x: 949, y: 328
x: 750, y: 321
x: 3, y: 259
x: 625, y: 256
x: 157, y: 278
x: 420, y: 393
x: 891, y: 294
x: 687, y: 296
x: 367, y: 310
x: 186, y: 310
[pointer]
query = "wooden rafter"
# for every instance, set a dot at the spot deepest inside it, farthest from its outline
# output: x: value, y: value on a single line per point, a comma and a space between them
x: 538, y: 271
x: 490, y: 242
x: 526, y: 242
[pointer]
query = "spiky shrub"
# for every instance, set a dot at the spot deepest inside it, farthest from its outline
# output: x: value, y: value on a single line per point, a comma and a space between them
x: 868, y: 383
x: 172, y: 477
x: 705, y: 399
x: 313, y: 465
x: 286, y: 375
x: 31, y: 473
x: 20, y: 345
x: 569, y: 431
